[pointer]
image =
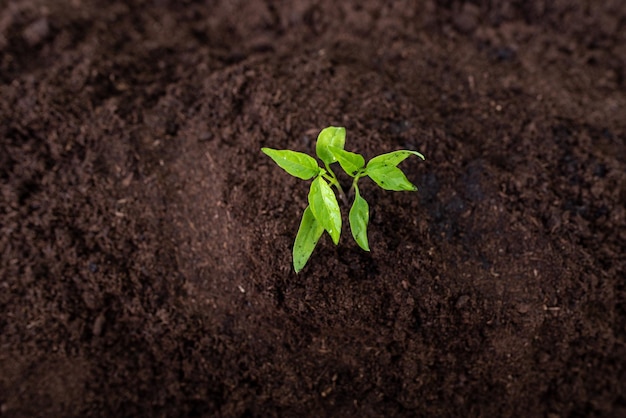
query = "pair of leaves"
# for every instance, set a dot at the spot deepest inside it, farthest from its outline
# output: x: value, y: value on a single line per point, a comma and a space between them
x: 303, y: 166
x: 321, y: 215
x: 384, y: 171
x: 312, y: 226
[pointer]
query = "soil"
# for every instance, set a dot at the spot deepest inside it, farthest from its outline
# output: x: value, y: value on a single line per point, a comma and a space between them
x: 145, y: 245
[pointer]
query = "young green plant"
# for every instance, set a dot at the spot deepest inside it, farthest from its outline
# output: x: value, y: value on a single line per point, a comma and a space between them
x: 323, y: 213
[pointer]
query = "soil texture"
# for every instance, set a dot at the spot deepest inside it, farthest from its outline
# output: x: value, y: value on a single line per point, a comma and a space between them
x: 145, y: 240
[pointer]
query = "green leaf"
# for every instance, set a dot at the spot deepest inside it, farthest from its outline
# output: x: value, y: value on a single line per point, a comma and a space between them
x: 295, y: 163
x: 384, y: 171
x: 389, y: 177
x: 308, y: 235
x: 330, y: 137
x: 393, y: 158
x: 325, y: 208
x: 359, y: 217
x: 349, y: 161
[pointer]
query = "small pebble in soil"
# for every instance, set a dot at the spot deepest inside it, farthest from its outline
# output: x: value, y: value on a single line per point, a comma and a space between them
x: 467, y: 19
x: 36, y: 32
x: 462, y: 301
x: 98, y: 324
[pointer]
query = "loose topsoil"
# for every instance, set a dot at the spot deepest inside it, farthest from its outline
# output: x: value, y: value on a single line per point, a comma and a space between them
x: 145, y: 240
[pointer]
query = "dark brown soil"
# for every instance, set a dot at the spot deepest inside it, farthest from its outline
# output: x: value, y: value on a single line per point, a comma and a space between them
x: 145, y: 244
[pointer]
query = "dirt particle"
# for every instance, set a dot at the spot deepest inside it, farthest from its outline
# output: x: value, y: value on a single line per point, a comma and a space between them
x: 462, y: 301
x: 98, y: 325
x: 36, y: 32
x: 467, y: 20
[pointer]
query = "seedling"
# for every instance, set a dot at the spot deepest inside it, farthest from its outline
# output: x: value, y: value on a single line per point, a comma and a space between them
x: 322, y: 213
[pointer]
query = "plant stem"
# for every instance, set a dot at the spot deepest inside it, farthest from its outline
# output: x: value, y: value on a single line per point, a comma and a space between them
x: 353, y: 187
x: 334, y: 182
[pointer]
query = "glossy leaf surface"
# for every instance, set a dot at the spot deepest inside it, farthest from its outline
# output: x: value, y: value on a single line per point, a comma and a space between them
x: 389, y: 177
x: 349, y: 161
x: 332, y: 136
x: 393, y: 158
x: 325, y: 208
x: 359, y: 218
x: 295, y: 163
x: 308, y: 235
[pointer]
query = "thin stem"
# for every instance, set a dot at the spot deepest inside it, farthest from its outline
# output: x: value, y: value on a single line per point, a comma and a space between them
x: 334, y: 182
x: 353, y: 187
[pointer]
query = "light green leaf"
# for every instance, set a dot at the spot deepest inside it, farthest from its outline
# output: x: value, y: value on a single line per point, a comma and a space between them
x: 308, y: 235
x: 349, y: 161
x: 325, y: 208
x: 393, y: 158
x: 295, y: 163
x: 389, y: 177
x: 332, y: 136
x: 359, y: 218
